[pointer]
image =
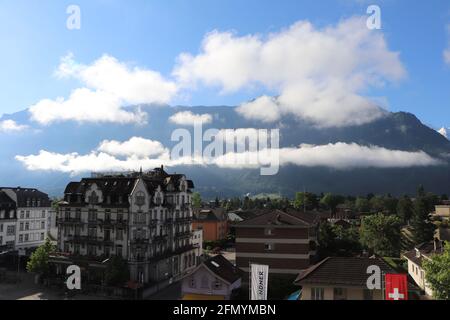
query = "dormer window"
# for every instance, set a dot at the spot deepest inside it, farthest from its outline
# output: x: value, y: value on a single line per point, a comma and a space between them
x: 417, y: 253
x: 140, y: 199
x: 93, y: 198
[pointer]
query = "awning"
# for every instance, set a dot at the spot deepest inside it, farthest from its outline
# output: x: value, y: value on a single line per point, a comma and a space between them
x: 295, y: 296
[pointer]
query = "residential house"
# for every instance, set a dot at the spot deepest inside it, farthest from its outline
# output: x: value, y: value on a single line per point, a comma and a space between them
x: 8, y: 221
x: 340, y: 278
x: 442, y: 212
x: 214, y: 279
x: 213, y: 222
x: 283, y: 240
x: 33, y: 208
x: 417, y: 256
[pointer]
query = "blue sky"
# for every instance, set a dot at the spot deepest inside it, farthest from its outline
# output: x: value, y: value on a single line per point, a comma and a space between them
x: 151, y: 34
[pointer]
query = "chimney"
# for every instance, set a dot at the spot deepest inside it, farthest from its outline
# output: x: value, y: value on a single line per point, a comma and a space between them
x: 435, y: 242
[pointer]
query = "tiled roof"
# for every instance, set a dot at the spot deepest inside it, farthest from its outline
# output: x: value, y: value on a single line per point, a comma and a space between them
x: 210, y: 214
x: 345, y: 271
x: 223, y: 268
x: 426, y: 250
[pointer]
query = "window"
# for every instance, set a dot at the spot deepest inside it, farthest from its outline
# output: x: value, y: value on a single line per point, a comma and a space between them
x: 21, y: 215
x: 119, y: 234
x: 192, y: 282
x: 269, y: 246
x: 140, y: 199
x: 217, y: 284
x: 20, y: 238
x: 21, y: 226
x: 11, y: 230
x: 27, y: 214
x: 368, y: 294
x: 119, y: 251
x: 317, y: 293
x: 78, y: 214
x: 26, y: 237
x: 340, y: 293
x: 42, y: 236
x: 205, y: 284
x: 43, y: 214
x: 107, y: 215
x: 269, y: 232
x: 42, y: 224
x: 92, y: 216
x: 27, y: 226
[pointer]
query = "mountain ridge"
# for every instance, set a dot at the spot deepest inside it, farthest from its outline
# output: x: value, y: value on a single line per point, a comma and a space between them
x: 396, y: 131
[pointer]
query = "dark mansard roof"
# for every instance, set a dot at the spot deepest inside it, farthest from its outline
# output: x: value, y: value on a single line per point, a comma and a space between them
x: 26, y: 197
x: 121, y: 185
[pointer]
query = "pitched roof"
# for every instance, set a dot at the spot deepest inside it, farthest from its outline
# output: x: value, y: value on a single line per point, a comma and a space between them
x: 281, y: 218
x: 210, y: 214
x: 345, y: 271
x: 426, y: 250
x: 223, y: 268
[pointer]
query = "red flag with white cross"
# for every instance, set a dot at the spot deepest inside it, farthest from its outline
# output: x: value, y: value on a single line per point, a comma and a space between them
x: 396, y: 286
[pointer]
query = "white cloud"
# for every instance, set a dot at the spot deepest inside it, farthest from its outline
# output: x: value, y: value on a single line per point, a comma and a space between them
x: 109, y: 85
x: 189, y: 119
x: 11, y: 126
x: 447, y: 56
x: 447, y: 51
x: 263, y: 108
x: 315, y: 71
x: 443, y: 131
x: 136, y: 146
x: 149, y: 154
x: 346, y: 156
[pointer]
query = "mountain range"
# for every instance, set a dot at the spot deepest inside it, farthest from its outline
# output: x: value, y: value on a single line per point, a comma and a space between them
x: 395, y: 131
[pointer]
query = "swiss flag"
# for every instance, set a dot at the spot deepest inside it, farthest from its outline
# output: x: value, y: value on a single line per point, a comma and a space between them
x: 396, y: 286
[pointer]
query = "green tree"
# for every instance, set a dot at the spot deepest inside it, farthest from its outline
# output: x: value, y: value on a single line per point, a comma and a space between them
x: 116, y: 272
x: 38, y: 262
x: 381, y: 234
x: 437, y: 273
x: 390, y: 204
x: 331, y: 201
x: 377, y: 204
x: 334, y: 240
x: 196, y: 200
x: 362, y: 205
x: 305, y: 200
x: 422, y: 227
x: 405, y: 209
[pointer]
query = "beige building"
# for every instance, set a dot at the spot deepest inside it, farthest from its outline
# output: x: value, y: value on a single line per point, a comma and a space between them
x: 340, y: 278
x: 416, y: 258
x: 442, y: 211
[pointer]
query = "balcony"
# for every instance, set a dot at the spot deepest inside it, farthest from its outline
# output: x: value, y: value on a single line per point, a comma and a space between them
x: 70, y: 221
x: 160, y: 238
x: 186, y: 234
x: 89, y: 239
x: 138, y: 241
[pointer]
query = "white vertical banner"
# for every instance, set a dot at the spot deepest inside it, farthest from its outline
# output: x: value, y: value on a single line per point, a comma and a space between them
x: 259, y: 281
